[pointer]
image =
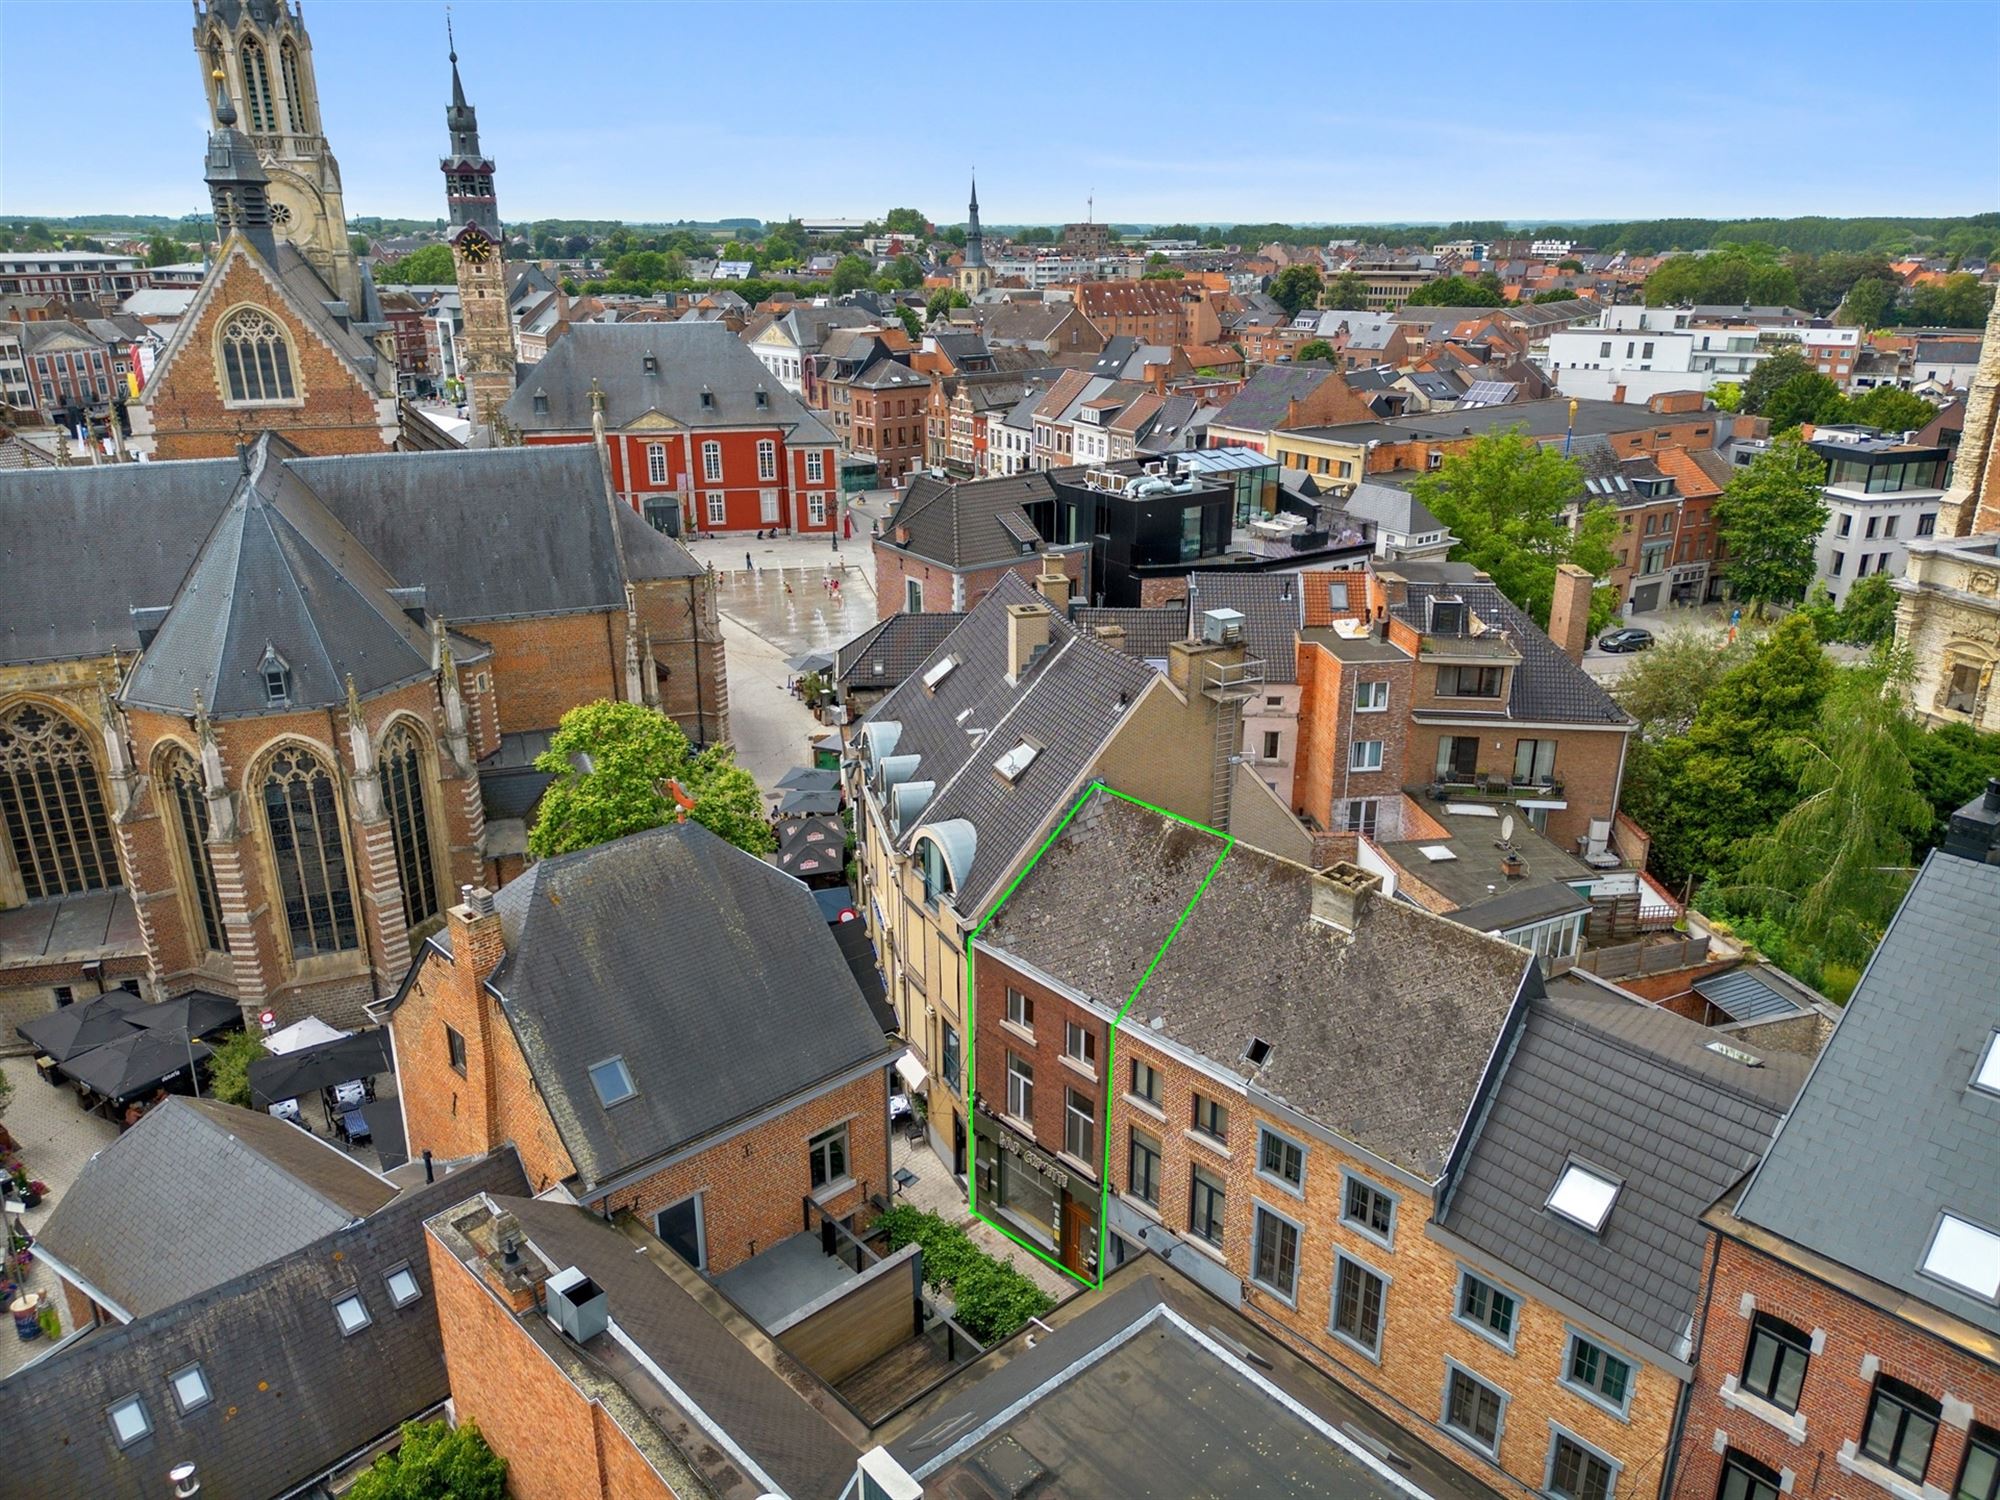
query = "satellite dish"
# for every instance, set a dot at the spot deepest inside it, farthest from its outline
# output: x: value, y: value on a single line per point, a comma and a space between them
x: 1507, y: 829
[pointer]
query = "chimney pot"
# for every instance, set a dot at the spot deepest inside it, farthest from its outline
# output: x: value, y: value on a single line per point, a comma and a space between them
x: 1338, y: 893
x: 1993, y: 794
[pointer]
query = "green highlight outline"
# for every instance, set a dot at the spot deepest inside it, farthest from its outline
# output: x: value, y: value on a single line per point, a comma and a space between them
x: 1111, y: 1048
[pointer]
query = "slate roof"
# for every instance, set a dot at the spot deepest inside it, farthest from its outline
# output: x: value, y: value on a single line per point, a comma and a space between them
x: 1889, y: 1118
x: 730, y: 997
x: 887, y: 374
x: 1266, y: 397
x: 690, y: 357
x: 1069, y: 703
x: 1634, y: 1092
x: 292, y: 1395
x: 1407, y: 1013
x: 1273, y: 609
x: 960, y: 525
x: 1148, y: 632
x: 196, y: 1193
x: 88, y: 544
x: 1547, y: 684
x: 1391, y: 509
x: 889, y: 650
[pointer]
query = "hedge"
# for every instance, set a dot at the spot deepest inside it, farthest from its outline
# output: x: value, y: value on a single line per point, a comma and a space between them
x: 994, y: 1300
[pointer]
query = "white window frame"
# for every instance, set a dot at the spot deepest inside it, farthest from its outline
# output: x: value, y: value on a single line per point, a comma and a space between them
x: 1071, y: 1114
x: 718, y: 508
x: 822, y: 1140
x: 1020, y: 1012
x: 1020, y: 1086
x: 767, y: 507
x: 816, y: 509
x: 656, y: 463
x: 1357, y: 758
x: 1075, y: 1037
x: 767, y: 460
x: 815, y: 466
x: 1371, y: 697
x: 711, y: 462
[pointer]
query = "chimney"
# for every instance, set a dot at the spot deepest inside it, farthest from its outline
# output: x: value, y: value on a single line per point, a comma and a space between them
x: 1569, y: 611
x: 1974, y: 830
x: 1053, y: 585
x: 1338, y: 894
x: 476, y: 944
x: 512, y: 1272
x: 1027, y: 630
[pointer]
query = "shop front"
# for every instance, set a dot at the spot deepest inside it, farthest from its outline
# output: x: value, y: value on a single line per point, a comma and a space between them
x: 1024, y: 1189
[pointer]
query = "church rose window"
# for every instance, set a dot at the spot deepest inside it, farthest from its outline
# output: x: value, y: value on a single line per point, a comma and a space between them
x: 182, y: 779
x: 256, y: 360
x: 52, y: 806
x: 403, y: 788
x: 302, y: 813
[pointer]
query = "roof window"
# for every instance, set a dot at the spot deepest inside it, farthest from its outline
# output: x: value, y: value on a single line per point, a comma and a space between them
x: 541, y: 403
x: 1584, y: 1196
x: 352, y: 1313
x: 277, y: 674
x: 708, y: 400
x: 1965, y: 1255
x: 1015, y: 761
x: 190, y: 1388
x: 763, y: 399
x: 1257, y: 1052
x: 402, y: 1284
x: 612, y: 1080
x: 1987, y: 1076
x: 129, y: 1421
x: 939, y: 671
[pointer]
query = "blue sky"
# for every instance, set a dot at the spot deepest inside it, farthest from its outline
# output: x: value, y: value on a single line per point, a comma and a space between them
x: 1228, y: 112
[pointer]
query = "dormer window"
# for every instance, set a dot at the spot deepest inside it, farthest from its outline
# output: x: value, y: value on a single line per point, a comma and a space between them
x: 277, y: 675
x: 650, y: 362
x: 708, y: 400
x: 763, y: 399
x: 541, y: 403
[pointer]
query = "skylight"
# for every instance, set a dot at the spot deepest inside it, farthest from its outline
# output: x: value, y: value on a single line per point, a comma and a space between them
x: 1257, y: 1051
x: 190, y: 1387
x: 1015, y: 761
x: 1435, y: 852
x: 1967, y: 1256
x: 1988, y: 1074
x: 129, y: 1422
x: 352, y: 1313
x: 1584, y: 1196
x: 939, y: 672
x: 613, y: 1081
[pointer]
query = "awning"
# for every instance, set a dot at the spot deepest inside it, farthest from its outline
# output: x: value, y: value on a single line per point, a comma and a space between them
x: 311, y: 1032
x: 910, y: 1070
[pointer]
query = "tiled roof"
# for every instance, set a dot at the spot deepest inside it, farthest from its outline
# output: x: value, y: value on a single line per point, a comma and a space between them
x: 1889, y: 1118
x: 1407, y: 1012
x: 1633, y: 1092
x: 1692, y: 477
x: 197, y: 1193
x: 292, y: 1396
x: 958, y: 525
x: 1148, y: 632
x: 1547, y: 684
x: 1068, y: 704
x: 1391, y: 509
x: 891, y: 649
x: 1273, y: 609
x: 732, y: 997
x: 1334, y: 595
x: 1266, y: 397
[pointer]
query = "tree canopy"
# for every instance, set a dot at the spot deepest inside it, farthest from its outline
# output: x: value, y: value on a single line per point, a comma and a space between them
x: 435, y: 1461
x: 1768, y: 517
x: 432, y: 265
x: 641, y: 773
x: 1296, y: 287
x: 1665, y: 687
x: 1769, y: 374
x: 1506, y: 498
x: 1347, y: 292
x: 1313, y: 349
x: 905, y: 221
x: 1808, y: 398
x: 1735, y: 274
x: 850, y: 273
x: 1456, y: 291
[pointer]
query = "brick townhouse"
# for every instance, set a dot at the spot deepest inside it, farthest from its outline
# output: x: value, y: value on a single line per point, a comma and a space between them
x: 1279, y: 398
x: 1424, y: 674
x: 663, y: 1026
x: 945, y: 818
x: 268, y: 716
x: 888, y: 401
x: 1849, y: 1343
x: 701, y: 437
x: 1438, y: 1181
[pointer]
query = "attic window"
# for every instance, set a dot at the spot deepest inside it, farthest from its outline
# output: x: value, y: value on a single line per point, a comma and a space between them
x: 1256, y: 1052
x: 1965, y: 1255
x: 277, y: 679
x: 1015, y: 761
x: 763, y: 399
x: 541, y: 403
x: 403, y: 1288
x: 1988, y: 1075
x: 190, y: 1388
x: 613, y: 1081
x: 1584, y: 1196
x: 352, y: 1314
x: 650, y: 362
x: 708, y: 400
x: 129, y: 1421
x: 939, y: 672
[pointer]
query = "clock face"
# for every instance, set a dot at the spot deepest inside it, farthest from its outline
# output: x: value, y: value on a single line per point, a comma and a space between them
x: 476, y: 248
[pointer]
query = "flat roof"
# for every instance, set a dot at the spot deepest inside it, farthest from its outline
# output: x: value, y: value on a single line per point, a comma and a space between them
x: 1545, y: 418
x: 1369, y: 647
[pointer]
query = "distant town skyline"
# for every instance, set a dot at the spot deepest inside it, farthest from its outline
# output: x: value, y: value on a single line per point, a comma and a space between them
x: 1657, y: 111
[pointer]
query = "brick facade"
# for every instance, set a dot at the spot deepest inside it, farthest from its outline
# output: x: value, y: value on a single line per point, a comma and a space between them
x: 954, y: 590
x: 721, y: 480
x: 1853, y: 1340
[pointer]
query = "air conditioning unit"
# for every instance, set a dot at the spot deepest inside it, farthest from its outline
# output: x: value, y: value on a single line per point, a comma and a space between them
x: 1224, y: 626
x: 577, y: 1305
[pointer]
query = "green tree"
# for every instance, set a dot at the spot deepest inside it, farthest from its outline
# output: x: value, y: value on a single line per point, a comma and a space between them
x: 912, y: 324
x: 638, y: 759
x: 1296, y: 287
x: 1664, y: 688
x: 1959, y: 301
x: 1868, y: 304
x: 1833, y: 868
x: 1313, y: 349
x: 1455, y: 291
x: 1811, y: 397
x: 229, y: 1068
x: 1868, y: 614
x: 1570, y: 264
x: 1951, y: 764
x: 435, y: 1461
x: 1769, y: 375
x: 1347, y: 292
x: 1556, y: 294
x: 906, y: 273
x: 942, y: 301
x: 430, y: 266
x: 955, y: 236
x: 1506, y: 498
x: 851, y: 272
x: 1769, y: 516
x: 1702, y: 794
x: 161, y: 251
x: 905, y: 221
x: 1037, y: 234
x: 1727, y: 395
x: 1889, y: 408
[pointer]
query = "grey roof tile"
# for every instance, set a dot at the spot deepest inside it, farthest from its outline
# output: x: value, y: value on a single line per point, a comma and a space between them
x: 890, y: 650
x: 1273, y: 610
x: 1547, y: 684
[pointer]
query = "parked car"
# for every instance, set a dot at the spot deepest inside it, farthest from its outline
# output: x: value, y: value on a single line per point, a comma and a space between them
x: 1631, y: 638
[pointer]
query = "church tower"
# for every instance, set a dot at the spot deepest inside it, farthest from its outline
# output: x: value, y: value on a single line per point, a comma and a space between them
x: 486, y: 337
x: 974, y: 276
x: 261, y: 49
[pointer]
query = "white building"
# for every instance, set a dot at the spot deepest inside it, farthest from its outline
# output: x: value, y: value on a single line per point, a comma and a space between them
x: 1880, y: 492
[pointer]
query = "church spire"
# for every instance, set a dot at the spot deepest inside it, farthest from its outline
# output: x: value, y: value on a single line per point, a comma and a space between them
x: 457, y: 87
x: 468, y: 171
x: 238, y: 187
x: 975, y: 239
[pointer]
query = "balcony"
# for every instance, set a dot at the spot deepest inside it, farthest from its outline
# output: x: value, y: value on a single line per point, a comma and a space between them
x: 1460, y: 788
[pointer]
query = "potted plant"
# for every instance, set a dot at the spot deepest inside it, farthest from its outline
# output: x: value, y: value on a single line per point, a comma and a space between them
x: 36, y: 1191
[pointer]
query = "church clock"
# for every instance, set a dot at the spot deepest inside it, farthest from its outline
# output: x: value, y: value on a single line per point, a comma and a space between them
x: 475, y: 247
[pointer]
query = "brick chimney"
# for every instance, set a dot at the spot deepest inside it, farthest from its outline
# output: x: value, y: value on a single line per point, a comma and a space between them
x: 1027, y: 628
x: 1569, y: 611
x: 476, y: 944
x: 1339, y: 894
x: 1053, y: 584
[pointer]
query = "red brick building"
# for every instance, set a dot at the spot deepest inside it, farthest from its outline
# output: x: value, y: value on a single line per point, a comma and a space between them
x: 888, y: 402
x: 702, y: 439
x: 665, y: 1026
x: 1849, y: 1336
